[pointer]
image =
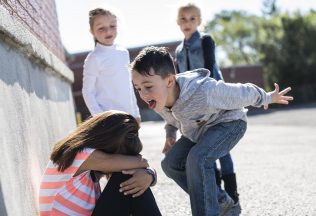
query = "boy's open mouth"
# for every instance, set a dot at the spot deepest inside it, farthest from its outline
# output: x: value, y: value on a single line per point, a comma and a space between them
x: 151, y: 104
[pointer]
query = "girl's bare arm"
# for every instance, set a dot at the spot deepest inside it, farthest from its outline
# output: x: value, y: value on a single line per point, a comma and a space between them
x: 107, y: 163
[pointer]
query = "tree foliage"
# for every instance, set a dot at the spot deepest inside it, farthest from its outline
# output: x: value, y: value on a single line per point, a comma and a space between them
x: 284, y: 44
x: 233, y: 32
x: 291, y: 59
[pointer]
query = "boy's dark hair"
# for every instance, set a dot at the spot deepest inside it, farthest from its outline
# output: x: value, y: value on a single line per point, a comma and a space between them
x: 156, y: 58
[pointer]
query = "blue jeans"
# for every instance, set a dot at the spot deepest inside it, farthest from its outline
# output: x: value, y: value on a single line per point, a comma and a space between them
x: 191, y: 165
x: 226, y: 165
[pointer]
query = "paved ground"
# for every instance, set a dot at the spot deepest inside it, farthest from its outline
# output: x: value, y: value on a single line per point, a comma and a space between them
x: 275, y: 164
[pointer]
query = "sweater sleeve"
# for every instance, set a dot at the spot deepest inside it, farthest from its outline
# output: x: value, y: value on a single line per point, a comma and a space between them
x: 171, y: 127
x: 229, y: 96
x: 210, y: 63
x: 171, y: 131
x: 208, y: 46
x: 90, y: 75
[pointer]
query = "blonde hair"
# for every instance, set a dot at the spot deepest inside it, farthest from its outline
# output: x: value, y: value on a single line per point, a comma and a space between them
x: 190, y: 6
x: 98, y: 11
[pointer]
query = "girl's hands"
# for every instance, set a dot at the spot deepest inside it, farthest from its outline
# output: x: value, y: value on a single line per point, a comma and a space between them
x: 137, y: 184
x: 169, y: 142
x: 278, y: 97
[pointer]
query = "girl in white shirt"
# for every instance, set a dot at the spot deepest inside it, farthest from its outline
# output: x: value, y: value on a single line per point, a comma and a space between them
x: 107, y: 81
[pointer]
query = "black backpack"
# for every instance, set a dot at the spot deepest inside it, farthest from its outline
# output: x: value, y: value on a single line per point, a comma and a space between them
x: 208, y: 47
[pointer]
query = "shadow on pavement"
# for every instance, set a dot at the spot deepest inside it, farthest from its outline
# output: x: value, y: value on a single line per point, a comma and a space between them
x: 3, y: 210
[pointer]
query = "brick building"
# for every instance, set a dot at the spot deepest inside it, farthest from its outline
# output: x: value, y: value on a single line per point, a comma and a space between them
x: 244, y: 74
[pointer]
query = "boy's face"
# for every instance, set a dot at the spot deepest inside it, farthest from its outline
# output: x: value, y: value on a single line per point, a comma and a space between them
x: 154, y: 90
x: 104, y: 29
x: 188, y: 20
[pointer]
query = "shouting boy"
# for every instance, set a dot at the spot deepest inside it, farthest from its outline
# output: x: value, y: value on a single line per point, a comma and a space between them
x: 210, y: 115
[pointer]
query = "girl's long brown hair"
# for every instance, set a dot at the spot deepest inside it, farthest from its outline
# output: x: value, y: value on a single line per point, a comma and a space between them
x: 110, y: 132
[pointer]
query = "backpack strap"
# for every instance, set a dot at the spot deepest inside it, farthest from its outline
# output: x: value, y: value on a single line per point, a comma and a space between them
x: 208, y: 47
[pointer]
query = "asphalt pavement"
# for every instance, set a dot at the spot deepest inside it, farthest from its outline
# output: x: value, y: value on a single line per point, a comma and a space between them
x: 275, y: 164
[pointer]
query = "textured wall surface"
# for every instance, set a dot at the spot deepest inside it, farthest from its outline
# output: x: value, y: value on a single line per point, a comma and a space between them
x: 36, y: 108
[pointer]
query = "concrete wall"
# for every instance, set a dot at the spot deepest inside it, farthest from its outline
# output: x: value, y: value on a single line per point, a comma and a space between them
x: 36, y: 109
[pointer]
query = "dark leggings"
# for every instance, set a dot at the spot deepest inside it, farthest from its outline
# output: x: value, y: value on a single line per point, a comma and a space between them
x: 114, y: 203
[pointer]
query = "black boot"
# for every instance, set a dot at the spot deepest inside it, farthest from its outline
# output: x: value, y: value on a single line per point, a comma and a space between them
x: 230, y: 185
x: 218, y: 177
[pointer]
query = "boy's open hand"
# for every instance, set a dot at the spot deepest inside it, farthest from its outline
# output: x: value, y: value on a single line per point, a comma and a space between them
x: 137, y: 184
x: 279, y: 97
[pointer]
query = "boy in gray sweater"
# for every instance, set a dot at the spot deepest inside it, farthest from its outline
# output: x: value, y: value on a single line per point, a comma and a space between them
x: 210, y: 115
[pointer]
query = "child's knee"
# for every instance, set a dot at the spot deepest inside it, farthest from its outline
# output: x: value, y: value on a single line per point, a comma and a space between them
x: 165, y: 165
x: 169, y: 165
x: 198, y: 159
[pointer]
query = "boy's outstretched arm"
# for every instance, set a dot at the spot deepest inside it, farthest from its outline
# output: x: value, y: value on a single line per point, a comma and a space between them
x: 279, y: 96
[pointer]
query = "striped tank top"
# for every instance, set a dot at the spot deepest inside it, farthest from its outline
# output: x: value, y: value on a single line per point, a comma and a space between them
x: 63, y: 194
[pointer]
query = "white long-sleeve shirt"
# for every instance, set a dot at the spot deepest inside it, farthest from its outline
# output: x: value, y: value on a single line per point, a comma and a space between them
x: 107, y: 83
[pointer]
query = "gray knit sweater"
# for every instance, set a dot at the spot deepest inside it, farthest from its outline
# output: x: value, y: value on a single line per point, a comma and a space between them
x: 204, y: 102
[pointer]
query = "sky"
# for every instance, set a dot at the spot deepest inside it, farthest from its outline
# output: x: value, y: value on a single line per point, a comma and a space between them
x: 144, y: 22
